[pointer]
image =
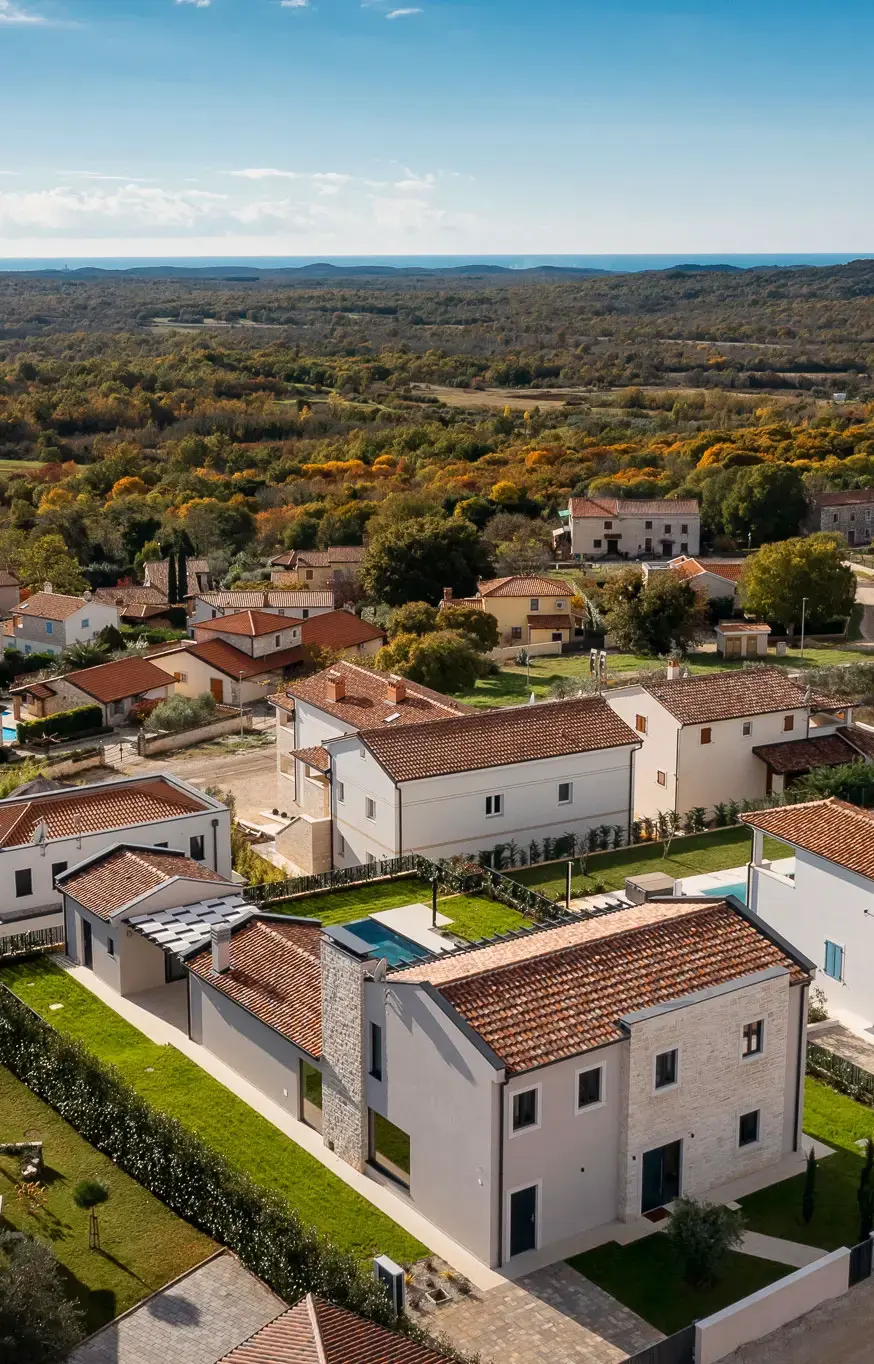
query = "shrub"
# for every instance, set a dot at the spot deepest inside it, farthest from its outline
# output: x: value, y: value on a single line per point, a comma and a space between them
x: 66, y: 724
x: 182, y: 712
x: 701, y: 1235
x: 38, y: 1322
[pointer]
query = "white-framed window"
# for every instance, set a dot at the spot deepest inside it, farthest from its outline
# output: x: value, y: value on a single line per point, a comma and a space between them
x: 565, y: 793
x: 341, y: 791
x: 370, y: 807
x: 747, y: 728
x: 535, y: 603
x: 752, y: 1042
x: 667, y: 528
x: 608, y: 525
x: 667, y: 1069
x: 589, y: 1088
x: 834, y: 960
x: 525, y: 1110
x: 183, y: 677
x: 684, y: 530
x: 494, y: 806
x: 748, y: 1126
x: 559, y: 604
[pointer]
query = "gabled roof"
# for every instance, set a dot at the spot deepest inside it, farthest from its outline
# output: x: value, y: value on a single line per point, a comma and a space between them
x: 320, y: 558
x: 338, y: 630
x: 130, y: 595
x: 832, y: 829
x: 250, y: 624
x: 532, y: 585
x: 259, y: 601
x: 276, y: 974
x: 581, y: 507
x: 727, y: 695
x: 543, y: 997
x: 50, y: 606
x: 218, y: 654
x: 106, y: 883
x: 157, y: 573
x: 8, y: 579
x: 730, y: 569
x: 497, y: 738
x: 848, y: 497
x: 317, y: 1332
x: 92, y: 809
x: 119, y: 680
x: 367, y: 702
x: 797, y: 756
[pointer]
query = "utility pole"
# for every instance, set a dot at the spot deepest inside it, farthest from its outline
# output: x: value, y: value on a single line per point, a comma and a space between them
x: 804, y: 601
x: 570, y: 877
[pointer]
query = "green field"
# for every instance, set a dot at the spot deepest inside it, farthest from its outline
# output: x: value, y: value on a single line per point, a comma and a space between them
x: 472, y: 916
x: 143, y: 1244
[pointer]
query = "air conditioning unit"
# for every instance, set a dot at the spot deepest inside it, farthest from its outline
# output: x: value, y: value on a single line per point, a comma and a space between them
x: 391, y: 1276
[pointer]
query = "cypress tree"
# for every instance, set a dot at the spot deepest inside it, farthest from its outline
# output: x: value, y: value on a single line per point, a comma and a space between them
x: 808, y: 1196
x: 172, y: 583
x: 181, y: 576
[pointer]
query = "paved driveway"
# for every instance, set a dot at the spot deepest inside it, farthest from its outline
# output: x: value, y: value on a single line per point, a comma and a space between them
x: 554, y: 1316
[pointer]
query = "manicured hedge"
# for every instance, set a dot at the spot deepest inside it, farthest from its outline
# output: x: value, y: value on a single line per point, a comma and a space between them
x: 66, y: 724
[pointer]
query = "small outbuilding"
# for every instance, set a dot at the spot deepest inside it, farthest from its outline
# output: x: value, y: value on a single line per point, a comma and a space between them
x: 742, y: 638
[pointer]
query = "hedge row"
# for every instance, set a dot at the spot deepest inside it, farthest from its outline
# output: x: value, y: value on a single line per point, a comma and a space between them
x: 66, y: 724
x: 184, y: 1173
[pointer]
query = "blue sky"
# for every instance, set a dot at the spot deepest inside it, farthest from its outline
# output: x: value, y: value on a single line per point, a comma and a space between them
x: 331, y: 127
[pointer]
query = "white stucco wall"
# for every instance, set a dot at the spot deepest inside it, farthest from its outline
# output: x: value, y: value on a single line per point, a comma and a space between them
x: 266, y: 1059
x: 632, y: 533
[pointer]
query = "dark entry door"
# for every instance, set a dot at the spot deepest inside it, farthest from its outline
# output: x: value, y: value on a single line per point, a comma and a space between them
x: 87, y: 947
x: 523, y: 1220
x: 174, y: 968
x: 612, y: 546
x: 661, y: 1176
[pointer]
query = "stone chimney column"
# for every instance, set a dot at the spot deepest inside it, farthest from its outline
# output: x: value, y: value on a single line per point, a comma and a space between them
x: 344, y: 1107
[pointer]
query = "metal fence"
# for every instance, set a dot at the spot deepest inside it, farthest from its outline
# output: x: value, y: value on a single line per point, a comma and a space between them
x: 23, y: 944
x: 841, y: 1074
x: 676, y: 1349
x: 860, y: 1261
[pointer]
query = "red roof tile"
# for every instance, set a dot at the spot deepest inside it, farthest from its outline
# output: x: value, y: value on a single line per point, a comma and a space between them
x: 316, y: 757
x: 848, y: 497
x: 130, y: 595
x: 50, y: 606
x: 540, y: 622
x: 114, y: 878
x: 797, y: 756
x: 91, y: 809
x: 317, y: 1332
x: 251, y: 624
x: 218, y: 654
x: 743, y: 627
x: 533, y: 585
x: 367, y: 704
x: 832, y: 829
x: 276, y: 974
x: 728, y: 695
x: 620, y: 506
x: 117, y: 681
x: 338, y: 630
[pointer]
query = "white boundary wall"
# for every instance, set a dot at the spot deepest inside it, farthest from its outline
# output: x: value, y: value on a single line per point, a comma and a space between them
x: 772, y: 1307
x: 507, y: 653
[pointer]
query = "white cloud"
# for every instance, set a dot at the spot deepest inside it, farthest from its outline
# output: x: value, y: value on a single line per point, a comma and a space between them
x: 266, y: 173
x: 294, y: 4
x: 198, y: 4
x: 11, y: 13
x: 403, y: 13
x: 98, y: 175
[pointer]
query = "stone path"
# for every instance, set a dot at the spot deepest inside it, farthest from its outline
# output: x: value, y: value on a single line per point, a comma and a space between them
x: 781, y: 1252
x: 553, y: 1316
x: 198, y: 1319
x: 833, y: 1036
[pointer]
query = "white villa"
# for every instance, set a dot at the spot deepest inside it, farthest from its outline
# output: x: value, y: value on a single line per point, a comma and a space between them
x: 621, y: 527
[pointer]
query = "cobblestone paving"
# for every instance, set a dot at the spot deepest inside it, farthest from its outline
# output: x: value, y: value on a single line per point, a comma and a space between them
x: 196, y: 1321
x: 554, y: 1316
x: 844, y: 1043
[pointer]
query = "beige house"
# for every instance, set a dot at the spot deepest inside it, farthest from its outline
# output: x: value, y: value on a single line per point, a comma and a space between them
x: 529, y: 609
x: 297, y: 605
x: 236, y: 658
x: 115, y: 687
x: 319, y: 568
x: 742, y: 638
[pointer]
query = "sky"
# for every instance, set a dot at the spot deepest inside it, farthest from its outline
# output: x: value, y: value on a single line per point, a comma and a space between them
x: 336, y: 127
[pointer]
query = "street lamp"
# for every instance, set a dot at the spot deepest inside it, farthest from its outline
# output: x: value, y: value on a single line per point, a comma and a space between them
x: 804, y: 601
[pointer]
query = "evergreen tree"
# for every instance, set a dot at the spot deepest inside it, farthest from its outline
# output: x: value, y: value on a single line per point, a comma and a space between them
x: 172, y: 581
x: 808, y: 1200
x: 181, y: 576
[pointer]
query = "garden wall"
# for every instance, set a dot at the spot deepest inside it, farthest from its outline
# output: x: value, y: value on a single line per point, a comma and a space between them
x: 167, y: 743
x: 507, y: 653
x: 772, y: 1307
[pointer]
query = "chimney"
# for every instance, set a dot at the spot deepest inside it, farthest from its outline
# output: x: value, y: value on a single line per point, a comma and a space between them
x: 220, y: 935
x: 336, y: 687
x: 447, y: 594
x: 86, y: 595
x: 47, y: 587
x: 673, y: 670
x: 397, y: 690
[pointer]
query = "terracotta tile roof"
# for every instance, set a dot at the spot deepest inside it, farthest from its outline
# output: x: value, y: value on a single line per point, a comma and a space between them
x: 257, y: 601
x: 497, y: 738
x: 9, y: 579
x: 338, y: 630
x: 731, y: 569
x: 157, y: 573
x: 743, y: 627
x: 111, y: 880
x: 860, y: 738
x: 531, y: 586
x: 302, y: 600
x: 540, y: 622
x: 320, y: 558
x: 91, y: 809
x: 117, y: 681
x: 798, y: 756
x: 832, y: 829
x: 276, y: 974
x: 565, y: 990
x: 250, y: 624
x: 317, y: 757
x: 728, y: 695
x: 619, y: 506
x: 130, y: 595
x: 218, y: 654
x: 367, y: 704
x: 467, y: 603
x: 50, y: 606
x: 40, y: 690
x: 317, y: 1332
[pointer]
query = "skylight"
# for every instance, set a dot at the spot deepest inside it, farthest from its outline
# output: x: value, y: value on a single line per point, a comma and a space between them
x: 396, y: 715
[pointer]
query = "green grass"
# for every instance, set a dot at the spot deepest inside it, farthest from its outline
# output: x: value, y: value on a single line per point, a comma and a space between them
x: 473, y: 916
x: 143, y: 1245
x: 645, y: 1277
x: 689, y: 856
x: 171, y: 1082
x: 839, y: 1122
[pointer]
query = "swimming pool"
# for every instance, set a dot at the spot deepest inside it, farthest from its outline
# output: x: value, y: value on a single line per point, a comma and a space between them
x: 396, y: 949
x: 737, y: 888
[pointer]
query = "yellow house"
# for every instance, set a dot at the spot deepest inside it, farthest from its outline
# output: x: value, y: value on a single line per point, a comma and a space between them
x: 318, y: 569
x: 529, y: 609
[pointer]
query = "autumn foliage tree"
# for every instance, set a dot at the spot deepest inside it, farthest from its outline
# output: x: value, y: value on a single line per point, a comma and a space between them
x: 779, y: 577
x: 652, y: 615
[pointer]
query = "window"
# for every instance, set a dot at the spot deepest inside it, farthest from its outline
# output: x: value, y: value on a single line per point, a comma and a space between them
x: 661, y: 778
x: 748, y: 1128
x: 516, y: 632
x: 747, y: 728
x: 834, y: 516
x: 308, y: 575
x: 196, y: 847
x: 389, y: 1148
x: 684, y: 530
x: 214, y: 614
x: 341, y: 846
x: 596, y: 544
x: 494, y: 806
x: 834, y: 960
x: 590, y: 1087
x: 684, y: 546
x: 85, y: 623
x: 753, y: 1038
x: 647, y: 544
x: 640, y: 723
x: 305, y: 615
x: 608, y: 525
x: 341, y: 791
x: 788, y: 723
x: 525, y: 1110
x: 647, y: 525
x: 180, y: 677
x: 58, y: 868
x: 162, y: 845
x: 706, y: 735
x: 376, y: 1051
x: 362, y: 752
x: 667, y: 530
x: 535, y: 603
x: 110, y: 947
x: 370, y: 807
x: 24, y: 882
x: 310, y: 1096
x: 277, y: 640
x: 666, y: 1069
x: 49, y: 628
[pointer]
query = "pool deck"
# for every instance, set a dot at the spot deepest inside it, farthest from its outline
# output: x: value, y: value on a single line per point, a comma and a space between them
x: 711, y: 882
x: 414, y: 922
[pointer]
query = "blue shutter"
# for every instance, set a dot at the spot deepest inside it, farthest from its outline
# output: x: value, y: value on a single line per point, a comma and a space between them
x: 834, y: 961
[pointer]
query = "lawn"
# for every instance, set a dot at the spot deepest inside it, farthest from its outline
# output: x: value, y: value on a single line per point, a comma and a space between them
x: 645, y: 1277
x: 689, y: 856
x: 514, y: 685
x: 473, y: 916
x: 143, y: 1245
x: 840, y: 1122
x: 171, y: 1082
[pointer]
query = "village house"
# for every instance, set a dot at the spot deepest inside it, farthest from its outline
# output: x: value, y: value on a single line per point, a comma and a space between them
x: 49, y: 622
x: 10, y: 592
x: 529, y: 608
x: 136, y: 605
x: 236, y: 658
x: 822, y: 896
x: 714, y: 579
x: 342, y: 634
x: 300, y: 605
x: 156, y: 573
x: 116, y: 687
x: 337, y: 567
x: 726, y: 736
x: 602, y: 527
x: 43, y: 834
x: 849, y: 512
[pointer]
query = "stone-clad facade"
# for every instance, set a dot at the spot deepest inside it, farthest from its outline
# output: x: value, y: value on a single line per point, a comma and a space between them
x: 344, y: 1110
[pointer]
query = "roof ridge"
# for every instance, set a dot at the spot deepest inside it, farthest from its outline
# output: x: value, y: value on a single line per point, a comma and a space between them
x: 312, y: 1309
